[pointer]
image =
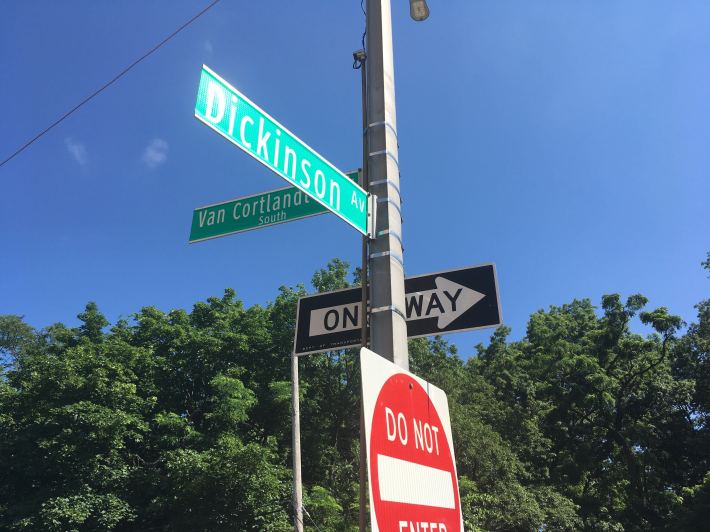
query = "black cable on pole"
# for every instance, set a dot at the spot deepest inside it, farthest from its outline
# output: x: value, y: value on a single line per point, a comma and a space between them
x: 108, y: 84
x: 309, y: 517
x: 364, y: 33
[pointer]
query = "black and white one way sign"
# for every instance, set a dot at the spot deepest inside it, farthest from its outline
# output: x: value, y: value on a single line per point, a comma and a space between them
x: 436, y: 303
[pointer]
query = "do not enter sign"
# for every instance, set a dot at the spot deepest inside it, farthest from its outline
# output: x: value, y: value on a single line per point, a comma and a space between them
x: 411, y: 465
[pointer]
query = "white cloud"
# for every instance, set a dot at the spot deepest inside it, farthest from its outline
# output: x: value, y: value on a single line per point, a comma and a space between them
x: 77, y: 150
x: 208, y: 47
x: 156, y: 153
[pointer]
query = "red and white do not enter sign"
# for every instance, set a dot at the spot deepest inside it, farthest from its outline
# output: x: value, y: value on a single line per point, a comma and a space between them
x: 411, y: 465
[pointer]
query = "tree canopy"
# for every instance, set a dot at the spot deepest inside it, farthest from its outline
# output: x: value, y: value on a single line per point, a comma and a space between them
x: 181, y: 421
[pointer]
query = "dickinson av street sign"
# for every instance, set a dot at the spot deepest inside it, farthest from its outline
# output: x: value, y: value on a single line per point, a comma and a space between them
x: 242, y: 122
x: 410, y: 453
x: 436, y: 303
x: 253, y: 212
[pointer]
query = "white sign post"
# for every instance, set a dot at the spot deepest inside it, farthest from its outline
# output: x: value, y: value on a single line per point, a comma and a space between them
x: 410, y: 453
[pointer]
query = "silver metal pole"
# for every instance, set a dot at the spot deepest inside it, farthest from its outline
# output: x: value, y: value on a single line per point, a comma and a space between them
x: 388, y: 327
x: 296, y: 434
x: 361, y: 57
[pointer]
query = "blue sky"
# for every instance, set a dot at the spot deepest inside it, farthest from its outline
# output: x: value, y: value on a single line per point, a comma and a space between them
x: 565, y: 141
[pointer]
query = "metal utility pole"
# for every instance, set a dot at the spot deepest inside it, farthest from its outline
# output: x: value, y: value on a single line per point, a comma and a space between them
x: 388, y: 326
x: 360, y: 57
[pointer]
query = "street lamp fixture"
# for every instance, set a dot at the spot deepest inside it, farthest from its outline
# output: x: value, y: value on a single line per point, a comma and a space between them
x: 418, y: 10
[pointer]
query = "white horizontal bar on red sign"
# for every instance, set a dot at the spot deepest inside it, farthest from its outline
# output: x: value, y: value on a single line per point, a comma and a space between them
x: 411, y: 483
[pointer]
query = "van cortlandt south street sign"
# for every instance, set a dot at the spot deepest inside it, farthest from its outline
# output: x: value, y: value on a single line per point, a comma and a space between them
x: 436, y: 303
x: 234, y: 116
x: 410, y: 454
x: 253, y: 212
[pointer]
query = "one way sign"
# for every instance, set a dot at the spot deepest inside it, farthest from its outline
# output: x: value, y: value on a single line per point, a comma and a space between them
x: 437, y: 303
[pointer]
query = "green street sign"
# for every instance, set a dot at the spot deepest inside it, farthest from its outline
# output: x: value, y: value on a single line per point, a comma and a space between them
x: 254, y: 212
x: 242, y: 122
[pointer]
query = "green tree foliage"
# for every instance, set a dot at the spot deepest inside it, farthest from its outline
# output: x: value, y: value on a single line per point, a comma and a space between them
x: 181, y: 421
x: 14, y: 335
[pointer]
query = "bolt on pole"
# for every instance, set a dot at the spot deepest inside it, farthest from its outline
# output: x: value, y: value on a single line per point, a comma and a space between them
x: 388, y: 326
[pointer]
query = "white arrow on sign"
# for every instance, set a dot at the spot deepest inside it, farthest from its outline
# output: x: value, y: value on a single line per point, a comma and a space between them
x: 448, y: 301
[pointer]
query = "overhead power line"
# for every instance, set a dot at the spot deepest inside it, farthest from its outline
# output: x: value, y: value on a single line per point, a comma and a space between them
x: 107, y: 84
